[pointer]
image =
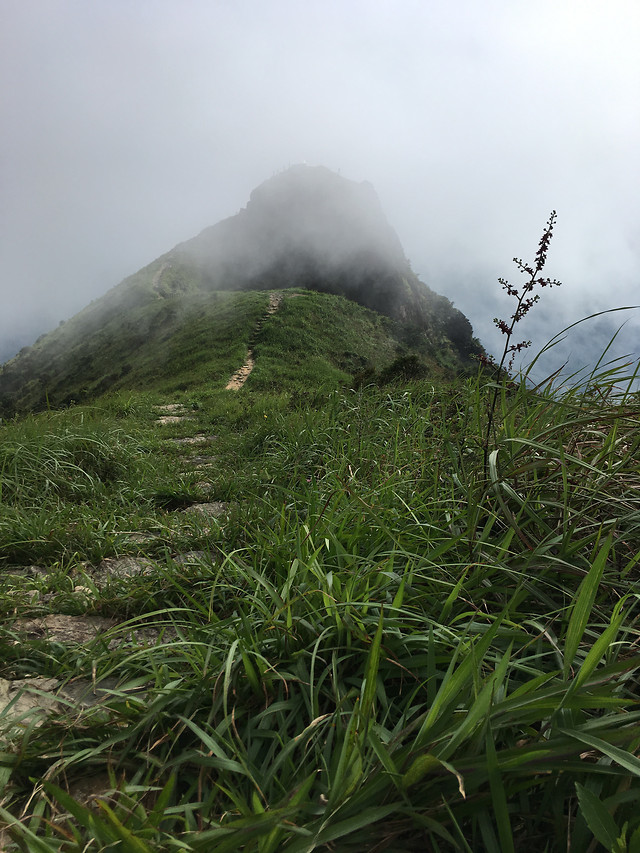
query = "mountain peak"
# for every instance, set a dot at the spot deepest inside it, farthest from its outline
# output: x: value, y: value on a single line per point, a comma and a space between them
x: 309, y: 227
x: 306, y: 228
x: 325, y: 214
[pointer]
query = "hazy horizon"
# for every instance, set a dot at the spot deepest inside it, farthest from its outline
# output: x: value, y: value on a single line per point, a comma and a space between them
x: 132, y: 127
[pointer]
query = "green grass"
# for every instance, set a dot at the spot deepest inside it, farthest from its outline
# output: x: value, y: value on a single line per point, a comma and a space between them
x: 381, y: 648
x: 318, y: 341
x: 164, y: 344
x: 136, y: 339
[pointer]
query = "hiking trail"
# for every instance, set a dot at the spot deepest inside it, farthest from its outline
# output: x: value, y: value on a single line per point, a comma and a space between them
x: 240, y: 376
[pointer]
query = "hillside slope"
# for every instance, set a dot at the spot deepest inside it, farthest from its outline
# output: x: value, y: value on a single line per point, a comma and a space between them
x: 314, y: 339
x: 195, y: 308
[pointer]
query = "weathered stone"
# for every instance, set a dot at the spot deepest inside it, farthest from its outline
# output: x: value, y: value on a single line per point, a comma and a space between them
x: 78, y: 630
x: 200, y: 438
x: 137, y: 538
x: 198, y: 461
x: 165, y: 420
x: 60, y: 628
x: 190, y: 558
x: 213, y: 509
x: 26, y: 696
x: 26, y: 571
x: 123, y: 567
x: 171, y: 408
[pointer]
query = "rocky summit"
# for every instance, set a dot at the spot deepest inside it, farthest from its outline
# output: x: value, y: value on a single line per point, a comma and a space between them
x: 310, y: 227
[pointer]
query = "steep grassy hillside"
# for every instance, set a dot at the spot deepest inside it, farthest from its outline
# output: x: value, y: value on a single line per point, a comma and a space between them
x: 363, y: 603
x: 175, y: 342
x: 138, y: 340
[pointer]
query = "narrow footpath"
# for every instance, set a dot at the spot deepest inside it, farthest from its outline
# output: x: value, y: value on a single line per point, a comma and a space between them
x: 240, y: 376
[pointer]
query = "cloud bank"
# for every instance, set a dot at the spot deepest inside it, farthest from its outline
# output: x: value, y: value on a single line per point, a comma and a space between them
x: 131, y: 127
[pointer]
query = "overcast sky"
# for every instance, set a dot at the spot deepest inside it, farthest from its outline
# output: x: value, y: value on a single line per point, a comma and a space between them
x: 131, y: 125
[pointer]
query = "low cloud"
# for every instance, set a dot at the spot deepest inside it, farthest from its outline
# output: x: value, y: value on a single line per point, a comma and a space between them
x: 129, y: 128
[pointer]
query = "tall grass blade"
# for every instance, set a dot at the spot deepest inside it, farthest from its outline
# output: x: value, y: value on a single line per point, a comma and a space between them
x: 598, y: 819
x: 601, y: 645
x: 583, y: 605
x: 499, y: 796
x: 349, y: 826
x: 457, y: 679
x: 369, y: 683
x: 621, y: 756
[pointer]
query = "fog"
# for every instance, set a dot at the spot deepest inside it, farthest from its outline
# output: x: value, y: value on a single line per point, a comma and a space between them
x: 130, y: 127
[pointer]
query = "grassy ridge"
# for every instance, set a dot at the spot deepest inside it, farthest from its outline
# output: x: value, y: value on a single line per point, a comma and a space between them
x: 189, y: 338
x: 152, y: 342
x: 320, y: 341
x: 383, y: 647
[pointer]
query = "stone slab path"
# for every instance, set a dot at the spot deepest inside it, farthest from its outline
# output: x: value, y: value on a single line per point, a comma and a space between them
x: 43, y: 696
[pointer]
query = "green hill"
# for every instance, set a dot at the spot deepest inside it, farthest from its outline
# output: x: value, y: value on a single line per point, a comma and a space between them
x: 194, y: 311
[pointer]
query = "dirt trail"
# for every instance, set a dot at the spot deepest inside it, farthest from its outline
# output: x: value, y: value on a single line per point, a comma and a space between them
x: 155, y: 284
x: 240, y: 376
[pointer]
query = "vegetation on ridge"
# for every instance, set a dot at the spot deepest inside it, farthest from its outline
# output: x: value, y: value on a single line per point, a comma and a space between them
x: 172, y: 345
x: 376, y: 650
x: 381, y: 645
x: 195, y: 307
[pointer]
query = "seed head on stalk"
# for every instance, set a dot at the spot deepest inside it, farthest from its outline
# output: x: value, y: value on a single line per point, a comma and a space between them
x: 525, y: 298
